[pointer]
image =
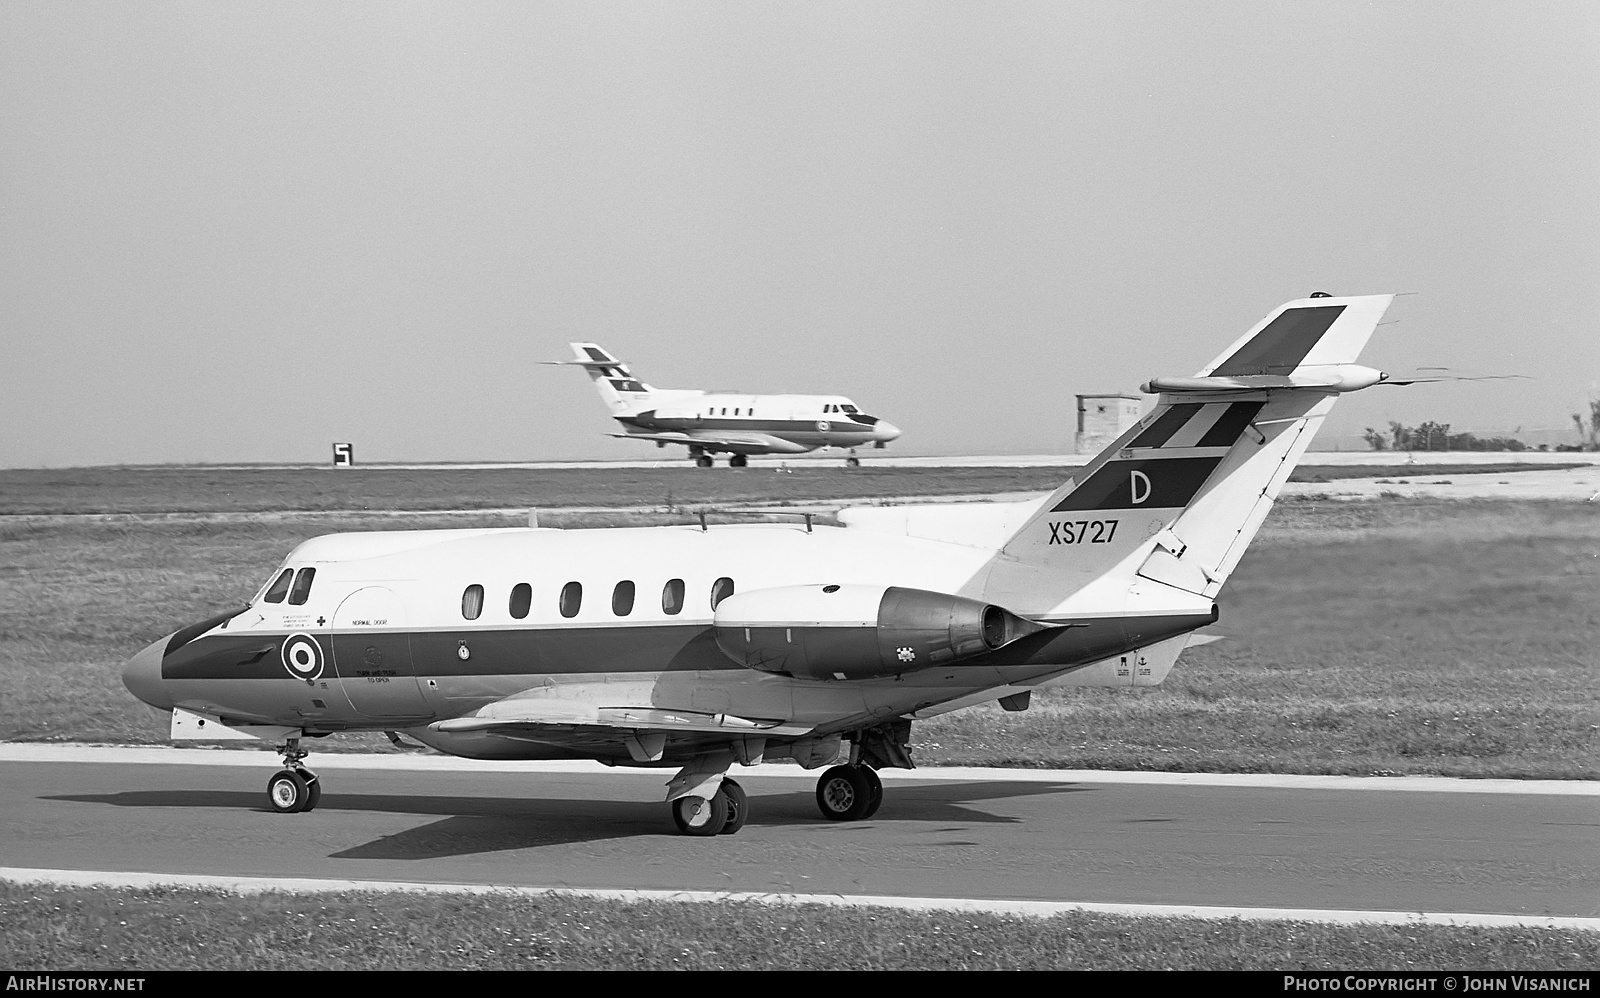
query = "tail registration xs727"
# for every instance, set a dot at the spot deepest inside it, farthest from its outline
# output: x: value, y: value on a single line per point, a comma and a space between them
x: 699, y: 649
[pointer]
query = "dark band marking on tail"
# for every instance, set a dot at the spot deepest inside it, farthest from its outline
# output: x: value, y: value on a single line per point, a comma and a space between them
x: 597, y: 355
x: 1155, y: 483
x: 1279, y: 348
x: 1166, y: 425
x: 1232, y: 423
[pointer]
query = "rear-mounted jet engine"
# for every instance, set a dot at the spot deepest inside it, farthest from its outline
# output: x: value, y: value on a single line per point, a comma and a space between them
x: 860, y: 632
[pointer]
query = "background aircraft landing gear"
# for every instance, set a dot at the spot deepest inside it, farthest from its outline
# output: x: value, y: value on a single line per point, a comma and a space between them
x: 702, y: 461
x: 738, y: 461
x: 849, y: 793
x: 852, y: 461
x: 294, y: 787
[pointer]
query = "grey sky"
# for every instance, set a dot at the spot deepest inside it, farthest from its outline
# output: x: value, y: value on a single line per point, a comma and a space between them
x: 240, y: 232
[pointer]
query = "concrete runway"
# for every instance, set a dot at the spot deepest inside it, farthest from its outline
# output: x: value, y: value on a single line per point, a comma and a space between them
x: 1386, y: 845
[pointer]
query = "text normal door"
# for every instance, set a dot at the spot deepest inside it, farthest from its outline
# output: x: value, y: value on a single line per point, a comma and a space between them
x: 372, y: 654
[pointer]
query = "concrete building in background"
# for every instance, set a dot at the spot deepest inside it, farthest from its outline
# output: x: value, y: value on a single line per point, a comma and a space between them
x: 1103, y: 418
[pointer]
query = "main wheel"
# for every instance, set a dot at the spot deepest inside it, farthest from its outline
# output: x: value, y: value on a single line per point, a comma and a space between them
x: 313, y: 790
x: 876, y: 787
x: 703, y: 461
x: 287, y: 792
x: 738, y: 806
x: 698, y: 816
x: 843, y: 794
x: 852, y: 462
x: 738, y: 461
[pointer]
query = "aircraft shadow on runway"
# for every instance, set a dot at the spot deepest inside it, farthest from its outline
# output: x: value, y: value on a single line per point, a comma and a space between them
x: 498, y: 824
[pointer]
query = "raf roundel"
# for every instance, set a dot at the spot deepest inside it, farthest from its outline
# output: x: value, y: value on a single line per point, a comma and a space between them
x: 302, y: 656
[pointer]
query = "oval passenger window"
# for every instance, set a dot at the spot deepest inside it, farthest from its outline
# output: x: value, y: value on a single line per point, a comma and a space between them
x: 472, y: 601
x: 622, y: 598
x: 521, y: 600
x: 672, y: 597
x: 571, y: 599
x: 721, y: 590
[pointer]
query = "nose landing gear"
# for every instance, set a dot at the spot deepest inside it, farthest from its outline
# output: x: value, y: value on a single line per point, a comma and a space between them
x: 293, y: 788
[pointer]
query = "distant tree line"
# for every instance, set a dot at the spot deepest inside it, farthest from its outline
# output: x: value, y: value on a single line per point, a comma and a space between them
x: 1589, y: 435
x: 1437, y: 436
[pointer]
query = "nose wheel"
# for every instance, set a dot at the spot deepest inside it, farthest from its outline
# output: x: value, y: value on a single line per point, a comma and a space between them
x: 293, y: 788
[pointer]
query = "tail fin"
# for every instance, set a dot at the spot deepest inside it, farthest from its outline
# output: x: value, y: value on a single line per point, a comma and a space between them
x: 1158, y: 520
x: 623, y: 393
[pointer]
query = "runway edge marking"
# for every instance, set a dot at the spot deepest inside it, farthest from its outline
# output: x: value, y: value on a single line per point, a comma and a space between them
x: 1034, y: 909
x: 167, y: 755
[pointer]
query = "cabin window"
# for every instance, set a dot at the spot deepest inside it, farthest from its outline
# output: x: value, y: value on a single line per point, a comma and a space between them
x: 472, y: 601
x: 302, y: 586
x: 571, y: 599
x: 622, y: 598
x: 721, y: 590
x: 672, y: 597
x: 280, y: 587
x: 849, y: 408
x: 521, y: 600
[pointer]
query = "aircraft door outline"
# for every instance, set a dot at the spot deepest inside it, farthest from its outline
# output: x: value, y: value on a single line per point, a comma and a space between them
x: 372, y: 655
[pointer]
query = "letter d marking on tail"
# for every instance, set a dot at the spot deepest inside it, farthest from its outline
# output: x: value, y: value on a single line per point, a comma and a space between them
x: 1134, y: 480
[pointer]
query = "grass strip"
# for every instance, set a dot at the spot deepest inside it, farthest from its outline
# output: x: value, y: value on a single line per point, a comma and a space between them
x: 188, y: 929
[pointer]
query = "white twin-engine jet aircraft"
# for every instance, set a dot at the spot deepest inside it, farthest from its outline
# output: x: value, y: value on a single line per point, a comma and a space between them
x: 698, y: 648
x: 741, y: 425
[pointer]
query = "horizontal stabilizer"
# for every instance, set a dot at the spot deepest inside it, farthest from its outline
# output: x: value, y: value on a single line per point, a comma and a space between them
x: 1326, y: 378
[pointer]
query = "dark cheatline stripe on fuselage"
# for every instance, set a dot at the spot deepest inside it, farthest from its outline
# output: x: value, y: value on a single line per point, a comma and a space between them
x: 667, y: 648
x: 1149, y: 484
x: 491, y: 651
x: 1167, y: 424
x: 1279, y: 348
x: 837, y: 426
x: 1230, y: 424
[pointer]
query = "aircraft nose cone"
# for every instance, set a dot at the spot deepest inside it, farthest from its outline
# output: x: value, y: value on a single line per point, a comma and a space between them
x: 885, y: 430
x: 142, y: 675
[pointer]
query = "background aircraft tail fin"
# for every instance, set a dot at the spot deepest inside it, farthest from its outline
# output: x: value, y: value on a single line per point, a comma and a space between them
x: 623, y: 393
x: 1157, y: 521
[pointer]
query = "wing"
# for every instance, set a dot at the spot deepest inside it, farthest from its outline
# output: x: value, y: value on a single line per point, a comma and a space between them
x: 577, y: 722
x: 738, y: 443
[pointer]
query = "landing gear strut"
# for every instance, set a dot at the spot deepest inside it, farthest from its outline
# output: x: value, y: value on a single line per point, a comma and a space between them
x: 294, y: 787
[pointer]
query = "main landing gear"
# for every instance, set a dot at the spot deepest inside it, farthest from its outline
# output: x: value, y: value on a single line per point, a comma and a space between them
x: 294, y: 787
x: 723, y: 814
x: 702, y: 459
x: 849, y: 793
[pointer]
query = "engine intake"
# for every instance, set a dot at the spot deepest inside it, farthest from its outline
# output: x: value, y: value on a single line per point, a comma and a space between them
x: 859, y: 632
